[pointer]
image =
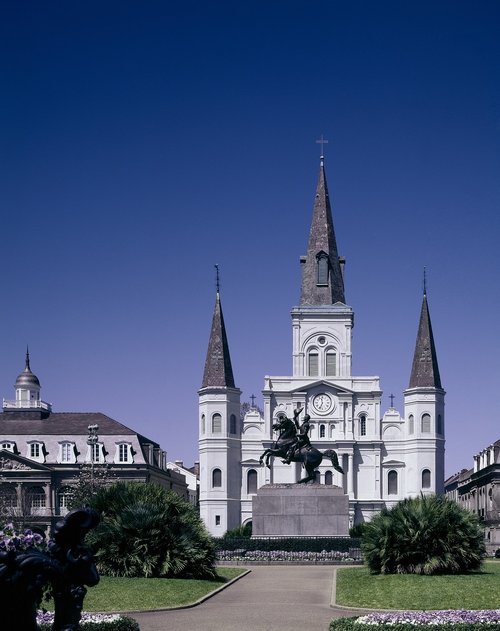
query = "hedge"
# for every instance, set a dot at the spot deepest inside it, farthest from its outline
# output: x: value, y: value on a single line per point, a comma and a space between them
x: 352, y: 624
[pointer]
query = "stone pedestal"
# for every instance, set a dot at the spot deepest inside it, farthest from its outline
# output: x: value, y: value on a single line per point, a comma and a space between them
x: 296, y: 510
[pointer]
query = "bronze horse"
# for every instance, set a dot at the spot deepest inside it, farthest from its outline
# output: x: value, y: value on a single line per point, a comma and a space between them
x: 309, y: 456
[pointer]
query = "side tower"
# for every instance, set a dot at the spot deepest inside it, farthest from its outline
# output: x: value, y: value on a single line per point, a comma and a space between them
x: 424, y: 412
x: 219, y: 434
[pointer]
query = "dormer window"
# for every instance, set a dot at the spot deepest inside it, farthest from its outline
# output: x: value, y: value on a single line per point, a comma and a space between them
x: 36, y: 451
x: 95, y: 453
x: 67, y: 452
x: 124, y: 453
x: 322, y: 268
x: 8, y: 445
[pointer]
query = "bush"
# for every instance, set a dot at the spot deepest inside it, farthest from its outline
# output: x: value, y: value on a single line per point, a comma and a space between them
x: 452, y: 620
x: 148, y: 531
x: 358, y: 530
x: 241, y: 532
x: 423, y: 535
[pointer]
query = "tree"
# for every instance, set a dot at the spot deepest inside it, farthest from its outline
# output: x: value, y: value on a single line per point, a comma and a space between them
x: 146, y: 530
x: 423, y: 535
x: 91, y: 479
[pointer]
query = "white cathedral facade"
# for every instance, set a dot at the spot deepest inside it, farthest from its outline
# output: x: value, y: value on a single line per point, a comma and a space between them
x: 385, y: 456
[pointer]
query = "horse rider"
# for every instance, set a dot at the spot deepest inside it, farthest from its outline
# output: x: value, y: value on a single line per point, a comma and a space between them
x: 302, y: 438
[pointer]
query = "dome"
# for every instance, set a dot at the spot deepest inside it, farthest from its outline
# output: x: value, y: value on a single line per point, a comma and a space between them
x: 27, y: 378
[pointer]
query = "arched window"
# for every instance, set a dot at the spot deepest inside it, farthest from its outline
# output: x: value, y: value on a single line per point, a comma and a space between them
x: 252, y: 481
x: 362, y: 425
x: 216, y: 478
x: 64, y: 497
x: 329, y: 478
x: 216, y: 424
x: 331, y: 364
x: 203, y: 424
x: 322, y: 431
x: 426, y: 479
x: 439, y: 424
x: 232, y: 424
x: 322, y: 261
x: 411, y: 424
x: 313, y: 364
x: 392, y: 483
x: 426, y: 423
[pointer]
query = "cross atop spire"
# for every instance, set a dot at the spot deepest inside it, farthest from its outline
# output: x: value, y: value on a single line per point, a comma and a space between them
x: 217, y: 279
x: 322, y: 142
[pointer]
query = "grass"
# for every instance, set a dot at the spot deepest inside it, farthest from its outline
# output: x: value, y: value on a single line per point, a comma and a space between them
x: 356, y: 587
x: 129, y: 594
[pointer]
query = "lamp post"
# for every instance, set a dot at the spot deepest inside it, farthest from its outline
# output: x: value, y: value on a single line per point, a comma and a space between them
x: 92, y: 439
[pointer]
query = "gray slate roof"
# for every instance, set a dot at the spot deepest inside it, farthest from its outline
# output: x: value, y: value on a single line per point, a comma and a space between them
x: 218, y: 369
x: 425, y: 370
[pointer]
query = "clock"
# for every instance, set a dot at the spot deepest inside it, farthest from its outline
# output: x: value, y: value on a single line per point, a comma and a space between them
x: 322, y: 403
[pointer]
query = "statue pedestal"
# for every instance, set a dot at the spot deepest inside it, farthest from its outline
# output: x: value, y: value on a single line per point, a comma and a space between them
x: 296, y: 510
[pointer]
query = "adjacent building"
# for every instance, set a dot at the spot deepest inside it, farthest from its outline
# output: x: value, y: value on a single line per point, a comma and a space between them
x: 42, y: 452
x: 478, y: 490
x: 386, y: 455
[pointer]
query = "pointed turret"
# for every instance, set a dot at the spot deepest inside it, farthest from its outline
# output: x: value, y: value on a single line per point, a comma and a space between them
x: 322, y: 277
x: 218, y: 369
x: 425, y: 370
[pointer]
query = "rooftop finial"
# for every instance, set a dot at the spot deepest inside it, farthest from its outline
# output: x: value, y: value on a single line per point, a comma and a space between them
x: 27, y: 366
x: 322, y: 142
x: 425, y: 281
x: 217, y: 282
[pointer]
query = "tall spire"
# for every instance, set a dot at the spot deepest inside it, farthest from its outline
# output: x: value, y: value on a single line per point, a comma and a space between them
x: 425, y: 370
x: 322, y: 278
x: 218, y: 369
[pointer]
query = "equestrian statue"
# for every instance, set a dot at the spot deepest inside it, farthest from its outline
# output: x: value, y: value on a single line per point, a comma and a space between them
x: 293, y: 445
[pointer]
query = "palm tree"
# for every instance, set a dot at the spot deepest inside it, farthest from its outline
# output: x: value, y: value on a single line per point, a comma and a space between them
x: 424, y: 535
x: 146, y: 530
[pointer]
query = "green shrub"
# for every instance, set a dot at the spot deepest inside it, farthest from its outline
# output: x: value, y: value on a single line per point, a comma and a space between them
x: 350, y: 624
x: 423, y: 535
x: 148, y: 531
x: 358, y: 530
x: 124, y: 623
x: 241, y: 532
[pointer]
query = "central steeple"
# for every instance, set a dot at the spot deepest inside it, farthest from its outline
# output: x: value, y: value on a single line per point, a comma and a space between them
x: 322, y: 275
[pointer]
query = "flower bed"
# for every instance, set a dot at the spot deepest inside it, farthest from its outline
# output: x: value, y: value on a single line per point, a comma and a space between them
x: 92, y: 622
x: 10, y: 540
x: 284, y: 556
x: 452, y: 620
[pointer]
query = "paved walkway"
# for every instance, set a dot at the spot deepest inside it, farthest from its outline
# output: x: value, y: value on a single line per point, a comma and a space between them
x: 269, y: 598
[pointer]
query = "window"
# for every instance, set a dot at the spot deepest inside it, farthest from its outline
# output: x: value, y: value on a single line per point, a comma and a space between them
x: 202, y: 423
x: 322, y: 262
x: 329, y: 478
x: 64, y: 497
x: 322, y: 431
x: 426, y: 479
x: 216, y: 478
x: 232, y: 424
x: 252, y: 481
x: 35, y: 451
x: 426, y: 423
x: 216, y: 424
x: 123, y: 453
x: 217, y: 520
x: 66, y: 452
x: 313, y: 364
x: 96, y: 452
x: 411, y: 424
x: 392, y: 483
x: 37, y: 498
x: 331, y: 364
x: 362, y: 425
x: 9, y: 446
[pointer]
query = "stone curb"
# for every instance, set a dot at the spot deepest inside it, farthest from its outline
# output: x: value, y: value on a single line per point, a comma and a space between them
x: 188, y: 606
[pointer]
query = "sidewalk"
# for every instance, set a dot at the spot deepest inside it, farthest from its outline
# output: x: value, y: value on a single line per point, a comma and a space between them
x: 269, y: 598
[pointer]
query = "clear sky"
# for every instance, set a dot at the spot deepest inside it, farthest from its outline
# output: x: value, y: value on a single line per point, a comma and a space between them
x: 143, y: 142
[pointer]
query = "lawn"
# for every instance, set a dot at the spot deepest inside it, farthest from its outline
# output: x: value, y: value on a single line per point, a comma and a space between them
x: 356, y: 587
x: 128, y: 594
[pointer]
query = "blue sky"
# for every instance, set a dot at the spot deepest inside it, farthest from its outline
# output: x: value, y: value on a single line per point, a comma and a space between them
x: 143, y: 142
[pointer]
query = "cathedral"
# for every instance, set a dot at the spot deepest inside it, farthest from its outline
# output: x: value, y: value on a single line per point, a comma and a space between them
x: 385, y: 456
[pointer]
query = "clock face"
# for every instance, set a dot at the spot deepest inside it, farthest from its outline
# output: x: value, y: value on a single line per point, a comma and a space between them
x: 322, y: 403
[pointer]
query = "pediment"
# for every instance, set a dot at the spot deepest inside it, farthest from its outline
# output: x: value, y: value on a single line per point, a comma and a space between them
x: 251, y: 461
x: 325, y: 384
x: 393, y: 463
x: 14, y: 462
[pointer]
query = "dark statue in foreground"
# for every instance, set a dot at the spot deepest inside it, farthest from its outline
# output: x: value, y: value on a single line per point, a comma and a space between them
x: 293, y: 445
x: 66, y: 566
